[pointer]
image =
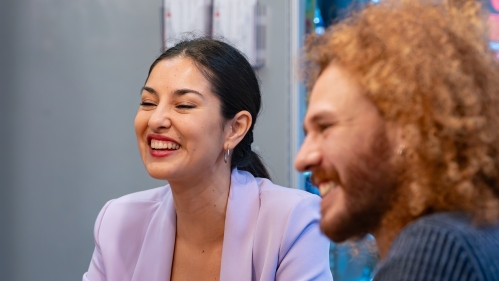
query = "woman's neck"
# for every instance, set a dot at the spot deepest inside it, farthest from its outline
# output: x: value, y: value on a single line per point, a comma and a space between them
x: 201, y: 207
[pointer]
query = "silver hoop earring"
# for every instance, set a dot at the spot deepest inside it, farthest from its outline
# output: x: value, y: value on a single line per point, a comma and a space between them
x: 226, y: 154
x: 400, y: 150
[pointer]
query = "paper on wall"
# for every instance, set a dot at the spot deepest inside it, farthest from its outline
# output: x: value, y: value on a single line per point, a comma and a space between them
x: 237, y: 21
x: 185, y: 16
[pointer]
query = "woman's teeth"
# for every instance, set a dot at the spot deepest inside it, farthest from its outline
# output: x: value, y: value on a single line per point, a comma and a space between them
x: 325, y: 188
x: 159, y: 144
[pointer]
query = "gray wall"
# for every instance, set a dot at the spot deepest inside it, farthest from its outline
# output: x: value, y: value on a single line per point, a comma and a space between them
x: 70, y: 74
x: 271, y: 134
x: 70, y: 89
x: 6, y: 64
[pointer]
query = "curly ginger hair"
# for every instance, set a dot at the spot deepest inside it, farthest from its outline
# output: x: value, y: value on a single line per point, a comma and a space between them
x: 428, y: 68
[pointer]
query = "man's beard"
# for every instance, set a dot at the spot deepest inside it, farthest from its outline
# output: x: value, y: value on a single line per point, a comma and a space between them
x: 370, y: 187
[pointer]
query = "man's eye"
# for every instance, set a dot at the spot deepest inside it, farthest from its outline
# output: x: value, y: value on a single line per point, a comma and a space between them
x: 323, y: 127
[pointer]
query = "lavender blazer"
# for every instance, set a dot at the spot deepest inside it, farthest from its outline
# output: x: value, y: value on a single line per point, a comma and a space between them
x: 271, y: 233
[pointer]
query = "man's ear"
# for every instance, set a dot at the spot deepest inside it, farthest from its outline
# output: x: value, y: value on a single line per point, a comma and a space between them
x: 237, y: 128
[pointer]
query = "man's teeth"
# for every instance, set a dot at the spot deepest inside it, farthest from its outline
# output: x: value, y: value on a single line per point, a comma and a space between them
x: 325, y: 188
x: 159, y: 144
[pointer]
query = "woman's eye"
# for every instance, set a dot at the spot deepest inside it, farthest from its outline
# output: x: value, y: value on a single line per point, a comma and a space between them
x: 185, y: 106
x: 147, y: 104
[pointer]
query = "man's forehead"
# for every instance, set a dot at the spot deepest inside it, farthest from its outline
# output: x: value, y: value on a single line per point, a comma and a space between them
x: 337, y: 95
x: 332, y: 90
x: 318, y: 109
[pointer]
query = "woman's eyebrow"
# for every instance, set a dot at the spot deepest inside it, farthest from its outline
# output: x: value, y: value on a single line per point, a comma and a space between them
x: 177, y: 93
x: 181, y: 92
x: 150, y: 90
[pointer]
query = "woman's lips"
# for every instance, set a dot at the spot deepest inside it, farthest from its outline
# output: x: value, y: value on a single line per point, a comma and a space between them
x: 161, y: 146
x: 160, y: 138
x: 161, y: 152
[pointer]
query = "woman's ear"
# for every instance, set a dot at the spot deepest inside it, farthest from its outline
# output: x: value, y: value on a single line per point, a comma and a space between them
x: 237, y: 128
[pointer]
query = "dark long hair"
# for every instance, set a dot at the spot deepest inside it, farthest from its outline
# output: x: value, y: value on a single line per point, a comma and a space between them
x: 234, y: 81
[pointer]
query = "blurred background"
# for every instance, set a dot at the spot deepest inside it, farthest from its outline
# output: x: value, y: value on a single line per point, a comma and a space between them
x: 70, y: 78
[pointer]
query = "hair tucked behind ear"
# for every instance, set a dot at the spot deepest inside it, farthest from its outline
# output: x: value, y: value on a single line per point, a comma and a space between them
x: 246, y: 159
x: 234, y: 82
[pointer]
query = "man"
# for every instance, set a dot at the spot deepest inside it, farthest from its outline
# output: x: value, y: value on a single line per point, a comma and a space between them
x: 402, y: 138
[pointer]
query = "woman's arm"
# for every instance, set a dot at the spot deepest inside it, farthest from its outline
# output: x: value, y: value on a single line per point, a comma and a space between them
x: 96, y: 270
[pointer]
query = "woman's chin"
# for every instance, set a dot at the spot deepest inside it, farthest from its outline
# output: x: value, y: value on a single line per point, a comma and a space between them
x: 159, y: 173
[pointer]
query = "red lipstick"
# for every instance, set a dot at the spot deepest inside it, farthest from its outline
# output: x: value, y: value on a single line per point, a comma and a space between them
x: 159, y: 153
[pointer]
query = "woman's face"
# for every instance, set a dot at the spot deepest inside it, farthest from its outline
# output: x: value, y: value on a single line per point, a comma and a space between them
x: 179, y: 126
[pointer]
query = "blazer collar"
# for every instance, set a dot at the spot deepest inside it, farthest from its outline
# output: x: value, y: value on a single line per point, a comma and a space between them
x: 156, y: 256
x: 240, y: 224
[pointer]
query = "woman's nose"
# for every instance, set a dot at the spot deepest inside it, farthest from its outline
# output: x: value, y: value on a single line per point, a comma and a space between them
x: 308, y: 156
x: 160, y: 119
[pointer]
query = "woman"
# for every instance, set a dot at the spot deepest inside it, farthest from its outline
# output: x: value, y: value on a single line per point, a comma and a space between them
x: 220, y: 217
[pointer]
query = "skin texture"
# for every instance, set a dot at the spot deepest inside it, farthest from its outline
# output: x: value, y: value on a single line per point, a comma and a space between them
x: 177, y: 103
x: 348, y: 142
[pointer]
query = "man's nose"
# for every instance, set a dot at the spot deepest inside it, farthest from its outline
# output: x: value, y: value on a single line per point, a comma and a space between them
x: 308, y: 156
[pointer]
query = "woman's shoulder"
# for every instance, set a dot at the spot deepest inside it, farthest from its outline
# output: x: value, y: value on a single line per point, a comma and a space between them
x: 286, y: 207
x: 130, y: 213
x: 271, y: 194
x: 294, y: 242
x: 285, y: 196
x: 134, y: 206
x: 275, y: 203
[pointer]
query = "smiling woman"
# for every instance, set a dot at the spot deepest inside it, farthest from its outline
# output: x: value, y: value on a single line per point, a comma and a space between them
x: 220, y: 217
x: 179, y: 110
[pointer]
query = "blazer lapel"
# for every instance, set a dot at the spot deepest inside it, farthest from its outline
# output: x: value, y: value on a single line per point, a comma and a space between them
x: 240, y: 224
x: 155, y: 259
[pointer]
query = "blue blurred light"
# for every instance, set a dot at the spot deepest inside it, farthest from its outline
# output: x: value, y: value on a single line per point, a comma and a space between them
x: 309, y: 185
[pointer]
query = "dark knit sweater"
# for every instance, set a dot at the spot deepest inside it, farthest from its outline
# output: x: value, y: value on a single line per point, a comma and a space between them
x: 444, y: 246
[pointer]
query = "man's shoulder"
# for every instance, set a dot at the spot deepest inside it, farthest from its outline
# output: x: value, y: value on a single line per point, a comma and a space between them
x: 453, y: 225
x: 435, y: 246
x: 438, y: 231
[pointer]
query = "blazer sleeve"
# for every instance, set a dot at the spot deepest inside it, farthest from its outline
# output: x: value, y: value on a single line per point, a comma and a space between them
x: 305, y: 250
x: 96, y: 270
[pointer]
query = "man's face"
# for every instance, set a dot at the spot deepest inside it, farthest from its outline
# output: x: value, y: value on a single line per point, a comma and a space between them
x: 348, y: 148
